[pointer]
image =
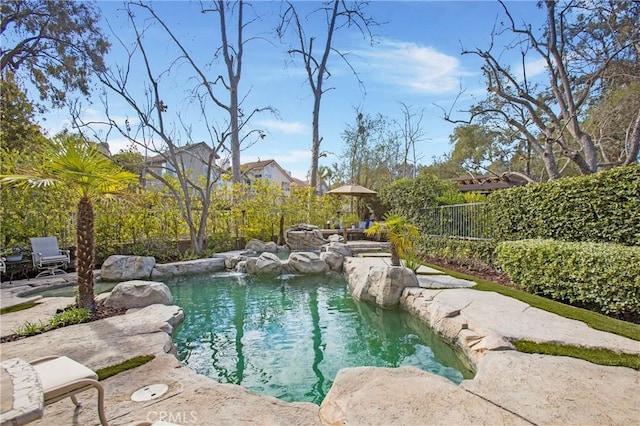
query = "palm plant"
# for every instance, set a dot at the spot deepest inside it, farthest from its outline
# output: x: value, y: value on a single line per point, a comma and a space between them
x: 400, y: 234
x: 81, y: 168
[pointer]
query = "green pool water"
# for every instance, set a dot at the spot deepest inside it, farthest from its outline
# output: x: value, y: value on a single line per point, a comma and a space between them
x: 288, y: 336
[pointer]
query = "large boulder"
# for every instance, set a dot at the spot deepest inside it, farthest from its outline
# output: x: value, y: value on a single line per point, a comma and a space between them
x: 406, y: 396
x: 266, y: 263
x: 138, y: 294
x: 231, y: 262
x: 333, y: 260
x: 304, y: 237
x: 261, y: 247
x: 381, y: 285
x: 340, y: 248
x: 307, y: 263
x: 125, y: 268
x: 188, y: 267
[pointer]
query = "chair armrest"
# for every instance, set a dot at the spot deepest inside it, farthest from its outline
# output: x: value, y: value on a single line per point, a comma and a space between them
x: 43, y: 359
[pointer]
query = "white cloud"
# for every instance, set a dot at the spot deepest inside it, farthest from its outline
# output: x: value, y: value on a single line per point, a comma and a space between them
x: 419, y: 68
x: 534, y: 68
x: 294, y: 127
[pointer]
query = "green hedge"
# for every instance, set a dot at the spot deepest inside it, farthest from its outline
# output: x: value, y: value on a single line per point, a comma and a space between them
x: 603, y: 207
x: 459, y: 250
x: 597, y: 276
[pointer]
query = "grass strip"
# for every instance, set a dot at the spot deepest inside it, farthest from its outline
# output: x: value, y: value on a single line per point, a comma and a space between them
x: 16, y: 308
x: 112, y: 370
x: 595, y: 355
x: 592, y: 319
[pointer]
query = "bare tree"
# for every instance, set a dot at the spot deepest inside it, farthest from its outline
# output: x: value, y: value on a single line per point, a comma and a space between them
x: 339, y: 14
x: 411, y: 133
x: 169, y: 140
x: 550, y: 116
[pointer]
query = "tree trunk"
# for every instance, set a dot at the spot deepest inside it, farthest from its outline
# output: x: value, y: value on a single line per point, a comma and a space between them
x: 634, y: 144
x: 281, y: 240
x: 550, y: 162
x: 84, y: 254
x: 315, y: 145
x: 395, y: 258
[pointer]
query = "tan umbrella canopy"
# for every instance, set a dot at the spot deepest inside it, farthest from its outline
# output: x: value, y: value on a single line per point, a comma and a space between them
x: 352, y: 190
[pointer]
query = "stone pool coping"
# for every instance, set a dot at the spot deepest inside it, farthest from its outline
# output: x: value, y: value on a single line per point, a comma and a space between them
x: 509, y: 387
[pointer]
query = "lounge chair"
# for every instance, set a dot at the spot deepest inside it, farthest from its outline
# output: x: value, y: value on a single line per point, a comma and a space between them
x: 62, y: 377
x: 47, y: 256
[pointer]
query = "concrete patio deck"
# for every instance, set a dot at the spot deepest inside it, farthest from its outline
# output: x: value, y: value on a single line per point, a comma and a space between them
x: 509, y: 387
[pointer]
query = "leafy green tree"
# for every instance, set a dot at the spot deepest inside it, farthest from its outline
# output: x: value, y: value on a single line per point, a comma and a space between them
x: 371, y: 153
x: 82, y: 168
x: 57, y: 44
x: 19, y: 131
x: 411, y: 197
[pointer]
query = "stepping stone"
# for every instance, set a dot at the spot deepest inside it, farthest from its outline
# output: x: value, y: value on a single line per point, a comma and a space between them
x: 375, y: 254
x: 443, y: 281
x: 426, y: 270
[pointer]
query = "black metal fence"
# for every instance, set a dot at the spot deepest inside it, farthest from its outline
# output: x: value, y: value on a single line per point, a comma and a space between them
x: 470, y: 221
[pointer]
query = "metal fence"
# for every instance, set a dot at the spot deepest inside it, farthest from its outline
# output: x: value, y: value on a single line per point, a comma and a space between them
x: 469, y: 221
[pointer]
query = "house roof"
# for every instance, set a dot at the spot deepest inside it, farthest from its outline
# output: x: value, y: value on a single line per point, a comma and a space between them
x: 257, y: 165
x: 299, y: 183
x: 180, y: 149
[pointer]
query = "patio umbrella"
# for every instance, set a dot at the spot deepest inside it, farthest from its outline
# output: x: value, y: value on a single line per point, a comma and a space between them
x: 352, y: 190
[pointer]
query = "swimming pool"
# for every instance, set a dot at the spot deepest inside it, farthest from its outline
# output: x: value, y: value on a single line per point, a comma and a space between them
x: 288, y: 336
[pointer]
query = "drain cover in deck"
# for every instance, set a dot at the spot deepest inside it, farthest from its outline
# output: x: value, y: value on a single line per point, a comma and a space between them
x: 149, y: 392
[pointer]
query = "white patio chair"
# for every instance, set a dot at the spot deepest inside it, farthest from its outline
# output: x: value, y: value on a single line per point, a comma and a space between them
x: 61, y: 377
x: 47, y: 256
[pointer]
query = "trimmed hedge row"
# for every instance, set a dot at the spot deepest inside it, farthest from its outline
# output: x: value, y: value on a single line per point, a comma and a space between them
x: 597, y: 276
x: 603, y: 207
x: 459, y: 250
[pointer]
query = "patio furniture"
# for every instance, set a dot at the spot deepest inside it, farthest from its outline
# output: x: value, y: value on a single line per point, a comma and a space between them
x: 61, y: 377
x: 19, y: 268
x: 47, y: 256
x: 21, y: 400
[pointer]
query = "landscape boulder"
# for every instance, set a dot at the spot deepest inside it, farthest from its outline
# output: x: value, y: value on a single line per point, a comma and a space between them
x: 307, y: 263
x: 125, y: 268
x: 304, y: 237
x: 406, y: 396
x: 340, y: 248
x: 231, y: 262
x: 335, y: 238
x: 261, y: 247
x: 333, y: 260
x: 265, y: 264
x: 188, y: 267
x: 138, y: 294
x: 381, y: 285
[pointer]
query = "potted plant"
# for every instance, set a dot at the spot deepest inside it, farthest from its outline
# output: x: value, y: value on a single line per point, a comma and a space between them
x: 13, y: 254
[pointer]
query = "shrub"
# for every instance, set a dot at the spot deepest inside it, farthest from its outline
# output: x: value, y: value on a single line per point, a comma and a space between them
x: 466, y: 252
x: 412, y: 196
x: 597, y: 276
x: 602, y: 207
x: 69, y: 317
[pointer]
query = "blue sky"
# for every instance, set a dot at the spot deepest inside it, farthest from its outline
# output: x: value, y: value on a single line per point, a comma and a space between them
x: 416, y: 59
